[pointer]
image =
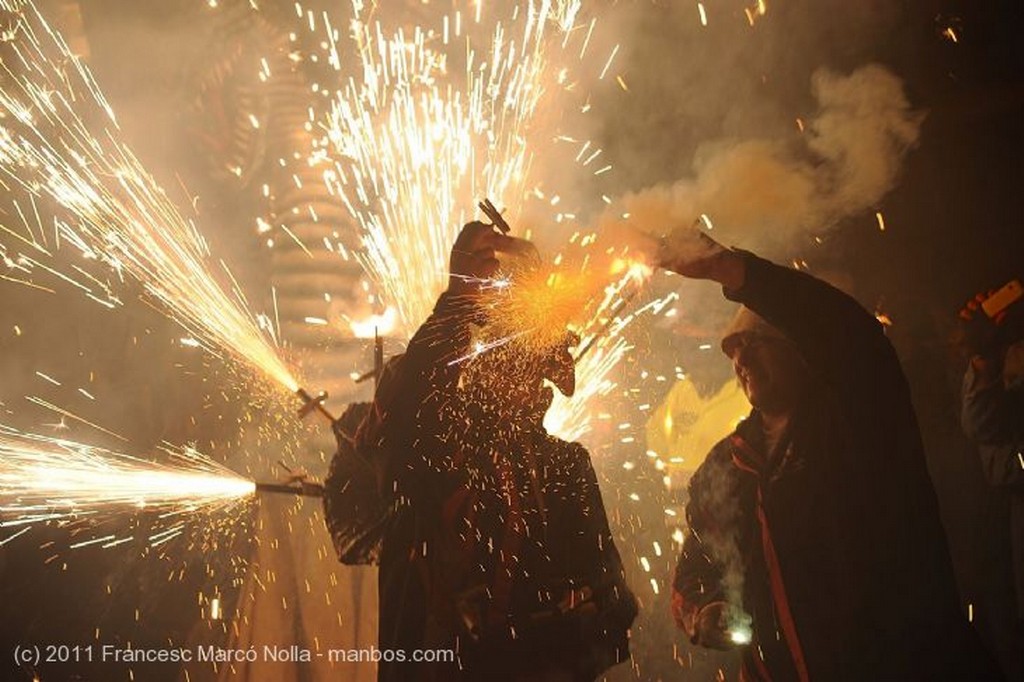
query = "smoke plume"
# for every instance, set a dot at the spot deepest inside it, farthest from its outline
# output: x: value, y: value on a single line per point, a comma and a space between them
x: 768, y: 195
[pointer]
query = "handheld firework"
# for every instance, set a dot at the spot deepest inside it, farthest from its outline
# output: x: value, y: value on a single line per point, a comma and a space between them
x: 298, y: 483
x: 494, y: 215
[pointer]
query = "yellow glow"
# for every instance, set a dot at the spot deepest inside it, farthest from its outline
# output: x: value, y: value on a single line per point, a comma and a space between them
x: 381, y: 325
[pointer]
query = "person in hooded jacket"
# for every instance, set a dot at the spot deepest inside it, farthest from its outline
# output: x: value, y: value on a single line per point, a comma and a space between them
x: 498, y: 547
x: 815, y: 544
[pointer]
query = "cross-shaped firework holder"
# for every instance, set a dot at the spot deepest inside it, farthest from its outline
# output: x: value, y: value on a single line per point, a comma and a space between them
x: 494, y: 215
x: 299, y: 484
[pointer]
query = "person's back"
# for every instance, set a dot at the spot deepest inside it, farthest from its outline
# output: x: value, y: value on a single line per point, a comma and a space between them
x: 498, y: 547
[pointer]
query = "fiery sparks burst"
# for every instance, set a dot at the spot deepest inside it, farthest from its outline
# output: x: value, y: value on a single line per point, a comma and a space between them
x: 59, y: 139
x: 52, y: 479
x: 602, y: 347
x: 414, y: 141
x: 414, y: 145
x: 431, y: 123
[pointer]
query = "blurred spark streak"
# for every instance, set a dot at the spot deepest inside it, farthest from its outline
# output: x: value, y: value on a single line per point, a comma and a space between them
x: 608, y: 64
x: 296, y: 239
x: 118, y: 212
x: 44, y: 478
x: 50, y: 406
x: 27, y: 283
x: 19, y: 533
x: 484, y: 347
x: 48, y: 378
x: 95, y: 541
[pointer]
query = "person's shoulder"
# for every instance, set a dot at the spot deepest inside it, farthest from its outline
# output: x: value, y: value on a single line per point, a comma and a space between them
x: 718, y: 457
x: 572, y: 449
x: 719, y: 453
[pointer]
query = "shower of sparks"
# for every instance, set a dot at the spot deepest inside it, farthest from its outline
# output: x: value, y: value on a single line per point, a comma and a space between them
x: 570, y: 418
x: 413, y: 144
x: 30, y: 254
x: 603, y: 345
x: 59, y: 139
x: 45, y: 479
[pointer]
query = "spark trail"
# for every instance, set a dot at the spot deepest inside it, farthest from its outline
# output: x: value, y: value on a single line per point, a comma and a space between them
x: 59, y: 139
x: 413, y: 143
x: 44, y: 479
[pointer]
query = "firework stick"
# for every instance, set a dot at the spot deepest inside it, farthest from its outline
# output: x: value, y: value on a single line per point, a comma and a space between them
x: 604, y: 328
x: 309, y: 403
x: 305, y: 489
x: 494, y: 215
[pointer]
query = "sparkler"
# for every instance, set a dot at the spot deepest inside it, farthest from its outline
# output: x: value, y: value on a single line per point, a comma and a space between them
x: 59, y: 139
x: 44, y: 479
x: 53, y: 479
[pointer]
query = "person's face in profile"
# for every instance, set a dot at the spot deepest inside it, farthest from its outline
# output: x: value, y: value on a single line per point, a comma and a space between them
x: 770, y: 371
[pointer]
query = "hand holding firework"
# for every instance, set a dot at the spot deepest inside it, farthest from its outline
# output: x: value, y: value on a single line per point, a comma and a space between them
x: 721, y: 626
x: 473, y: 261
x: 690, y: 252
x: 989, y: 320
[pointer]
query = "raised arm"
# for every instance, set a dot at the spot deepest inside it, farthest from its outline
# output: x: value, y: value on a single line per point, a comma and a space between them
x: 415, y: 391
x: 842, y: 343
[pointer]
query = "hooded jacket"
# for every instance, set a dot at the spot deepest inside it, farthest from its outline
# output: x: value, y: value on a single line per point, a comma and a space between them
x: 834, y: 546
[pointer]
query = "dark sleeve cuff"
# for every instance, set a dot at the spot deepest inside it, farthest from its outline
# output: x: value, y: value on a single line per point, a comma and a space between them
x: 753, y: 272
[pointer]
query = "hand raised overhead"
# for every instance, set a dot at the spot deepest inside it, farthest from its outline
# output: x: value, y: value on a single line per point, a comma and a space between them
x: 474, y: 256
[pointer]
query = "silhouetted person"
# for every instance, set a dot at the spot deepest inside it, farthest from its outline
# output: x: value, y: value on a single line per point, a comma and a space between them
x: 992, y: 417
x: 498, y: 546
x: 815, y: 542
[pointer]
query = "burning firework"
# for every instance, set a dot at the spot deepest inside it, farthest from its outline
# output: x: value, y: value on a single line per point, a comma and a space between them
x: 46, y: 479
x: 413, y: 145
x: 414, y: 141
x: 59, y: 139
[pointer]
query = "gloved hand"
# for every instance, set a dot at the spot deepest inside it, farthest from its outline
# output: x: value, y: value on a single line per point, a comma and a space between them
x: 473, y: 259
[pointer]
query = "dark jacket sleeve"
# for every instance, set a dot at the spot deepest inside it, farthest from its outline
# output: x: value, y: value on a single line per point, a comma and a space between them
x: 871, y: 459
x: 843, y: 344
x: 406, y: 425
x: 988, y: 419
x: 698, y: 577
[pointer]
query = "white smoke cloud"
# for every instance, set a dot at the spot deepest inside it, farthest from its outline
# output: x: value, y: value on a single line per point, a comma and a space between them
x: 769, y: 195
